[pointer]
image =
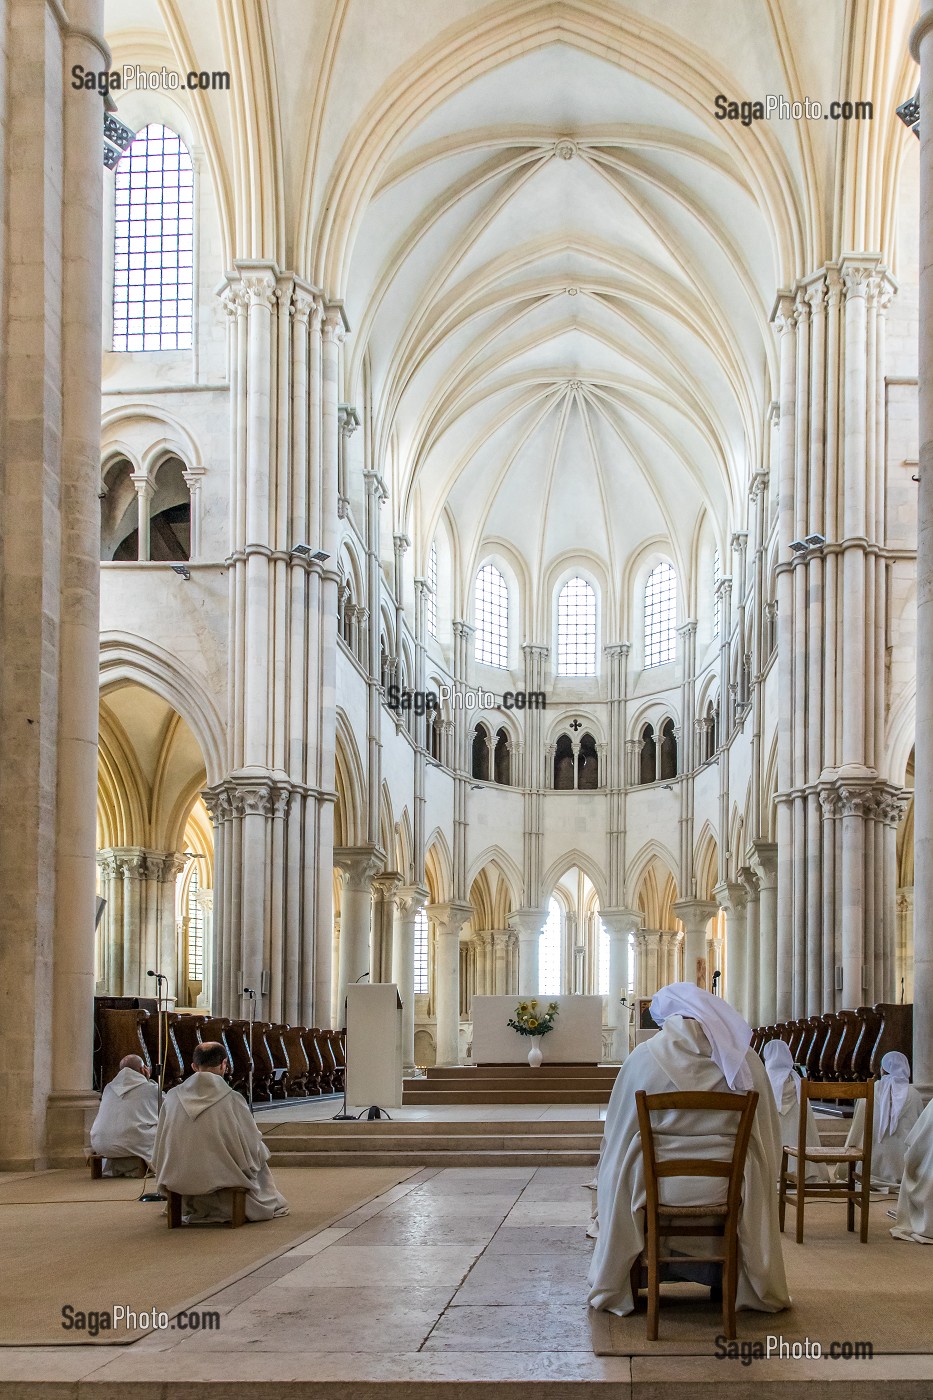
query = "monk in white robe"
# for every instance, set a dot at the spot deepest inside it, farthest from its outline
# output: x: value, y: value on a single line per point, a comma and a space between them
x: 898, y: 1105
x: 915, y: 1198
x: 125, y: 1127
x: 785, y: 1086
x: 208, y: 1143
x: 703, y: 1045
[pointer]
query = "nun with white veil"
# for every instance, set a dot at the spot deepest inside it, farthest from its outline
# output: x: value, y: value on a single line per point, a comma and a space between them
x: 785, y: 1086
x: 703, y: 1045
x: 898, y: 1105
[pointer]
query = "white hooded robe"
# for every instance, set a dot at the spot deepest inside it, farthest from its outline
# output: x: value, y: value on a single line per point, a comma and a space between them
x: 679, y: 1058
x: 208, y: 1142
x: 915, y: 1198
x: 898, y: 1105
x: 125, y: 1126
x: 785, y: 1086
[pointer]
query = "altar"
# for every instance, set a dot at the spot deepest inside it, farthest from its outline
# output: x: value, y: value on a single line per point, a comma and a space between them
x: 577, y: 1037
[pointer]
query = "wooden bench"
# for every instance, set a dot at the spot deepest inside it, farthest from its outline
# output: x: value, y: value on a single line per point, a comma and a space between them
x: 237, y: 1215
x: 97, y: 1166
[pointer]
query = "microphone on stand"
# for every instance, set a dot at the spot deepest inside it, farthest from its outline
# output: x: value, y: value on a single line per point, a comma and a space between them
x: 716, y: 976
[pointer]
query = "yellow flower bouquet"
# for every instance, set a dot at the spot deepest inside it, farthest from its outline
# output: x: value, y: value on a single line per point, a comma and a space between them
x: 529, y: 1020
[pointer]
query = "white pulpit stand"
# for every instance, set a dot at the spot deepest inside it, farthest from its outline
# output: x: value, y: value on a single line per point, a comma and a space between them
x: 374, y: 1045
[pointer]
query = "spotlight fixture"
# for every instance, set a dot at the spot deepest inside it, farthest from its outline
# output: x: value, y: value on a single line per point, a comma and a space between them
x: 798, y: 546
x: 182, y: 571
x: 814, y: 541
x: 320, y: 556
x: 303, y: 549
x: 193, y: 855
x: 476, y: 787
x: 909, y: 113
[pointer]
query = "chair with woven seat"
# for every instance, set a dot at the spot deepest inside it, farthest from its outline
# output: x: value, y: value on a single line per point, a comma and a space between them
x: 721, y: 1219
x: 854, y: 1193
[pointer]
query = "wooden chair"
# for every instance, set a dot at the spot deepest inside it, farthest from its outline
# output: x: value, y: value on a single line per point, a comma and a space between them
x: 237, y: 1214
x: 673, y: 1220
x: 851, y: 1192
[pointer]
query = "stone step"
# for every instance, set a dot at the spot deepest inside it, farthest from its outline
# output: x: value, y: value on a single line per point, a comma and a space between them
x: 432, y: 1157
x: 408, y: 1127
x: 542, y: 1072
x: 506, y: 1096
x: 456, y: 1142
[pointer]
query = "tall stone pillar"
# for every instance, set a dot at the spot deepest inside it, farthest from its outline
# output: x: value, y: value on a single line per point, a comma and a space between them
x: 528, y: 924
x: 732, y: 899
x: 695, y: 914
x: 501, y: 943
x: 619, y: 924
x: 411, y: 900
x: 921, y: 47
x: 359, y: 866
x: 749, y: 881
x: 385, y: 913
x: 448, y: 920
x: 652, y: 938
x: 763, y: 859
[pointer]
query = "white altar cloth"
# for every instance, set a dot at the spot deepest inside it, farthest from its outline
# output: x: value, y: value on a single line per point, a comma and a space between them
x: 576, y: 1037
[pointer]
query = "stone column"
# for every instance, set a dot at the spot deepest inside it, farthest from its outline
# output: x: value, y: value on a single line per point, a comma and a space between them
x: 921, y: 47
x: 749, y: 881
x: 619, y: 924
x: 695, y: 914
x: 145, y: 489
x: 385, y: 910
x: 732, y: 898
x: 652, y: 943
x: 411, y: 900
x: 448, y: 920
x: 763, y: 859
x: 528, y: 924
x: 359, y: 866
x: 501, y: 940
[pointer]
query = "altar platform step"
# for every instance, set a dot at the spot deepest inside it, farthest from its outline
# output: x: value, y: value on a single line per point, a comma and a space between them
x: 512, y: 1084
x: 385, y: 1143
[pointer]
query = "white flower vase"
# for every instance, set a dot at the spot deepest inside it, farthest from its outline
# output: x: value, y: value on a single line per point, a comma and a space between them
x: 534, y: 1054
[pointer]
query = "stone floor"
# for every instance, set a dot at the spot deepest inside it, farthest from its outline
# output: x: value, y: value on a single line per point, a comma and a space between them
x: 306, y: 1112
x: 462, y: 1282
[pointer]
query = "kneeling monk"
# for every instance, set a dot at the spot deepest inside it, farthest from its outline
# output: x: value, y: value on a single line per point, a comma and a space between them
x: 703, y: 1045
x: 208, y: 1142
x: 125, y: 1127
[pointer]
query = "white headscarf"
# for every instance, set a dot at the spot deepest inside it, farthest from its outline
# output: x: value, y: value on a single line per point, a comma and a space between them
x: 728, y: 1033
x: 891, y: 1093
x: 779, y: 1063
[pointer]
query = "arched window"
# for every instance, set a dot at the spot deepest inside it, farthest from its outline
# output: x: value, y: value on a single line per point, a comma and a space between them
x: 431, y: 608
x: 710, y: 731
x: 491, y: 614
x: 194, y: 929
x: 481, y: 753
x: 647, y: 759
x: 587, y: 764
x: 165, y: 502
x: 576, y: 629
x: 502, y: 758
x: 434, y: 734
x: 660, y: 614
x: 549, y: 953
x: 421, y: 953
x: 667, y: 757
x: 563, y: 764
x: 153, y: 243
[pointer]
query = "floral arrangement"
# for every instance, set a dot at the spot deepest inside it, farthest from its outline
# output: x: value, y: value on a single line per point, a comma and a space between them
x: 528, y: 1020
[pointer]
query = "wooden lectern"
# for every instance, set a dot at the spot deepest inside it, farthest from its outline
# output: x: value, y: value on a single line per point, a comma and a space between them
x: 374, y: 1045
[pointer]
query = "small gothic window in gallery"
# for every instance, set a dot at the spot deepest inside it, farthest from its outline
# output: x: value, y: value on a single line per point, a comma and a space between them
x: 491, y: 614
x: 434, y: 734
x: 431, y: 607
x: 667, y: 758
x: 647, y: 758
x: 587, y: 764
x: 563, y: 764
x: 549, y: 950
x: 481, y: 754
x: 153, y: 243
x: 421, y: 953
x: 502, y: 758
x: 195, y: 929
x: 710, y: 731
x: 660, y: 614
x: 576, y: 629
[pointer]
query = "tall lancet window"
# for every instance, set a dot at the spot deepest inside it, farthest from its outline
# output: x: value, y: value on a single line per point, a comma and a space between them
x: 660, y: 615
x: 431, y: 609
x: 491, y: 613
x: 576, y: 629
x: 421, y: 953
x: 153, y: 243
x: 717, y: 575
x: 195, y: 916
x: 549, y: 959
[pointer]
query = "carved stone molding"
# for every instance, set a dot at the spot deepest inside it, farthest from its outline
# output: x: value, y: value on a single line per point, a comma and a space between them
x: 248, y: 795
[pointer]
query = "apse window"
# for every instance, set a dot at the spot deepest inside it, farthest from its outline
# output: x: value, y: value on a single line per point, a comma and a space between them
x: 576, y: 629
x: 660, y: 615
x: 432, y: 593
x: 153, y: 246
x: 421, y: 953
x: 195, y: 930
x: 491, y: 615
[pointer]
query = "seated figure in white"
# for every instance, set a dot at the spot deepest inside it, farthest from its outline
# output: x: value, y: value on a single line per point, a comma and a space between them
x: 785, y: 1085
x: 703, y: 1045
x: 208, y: 1143
x: 898, y: 1105
x: 125, y: 1127
x: 915, y: 1198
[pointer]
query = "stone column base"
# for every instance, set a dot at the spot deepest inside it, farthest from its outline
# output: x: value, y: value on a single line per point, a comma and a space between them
x: 67, y: 1127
